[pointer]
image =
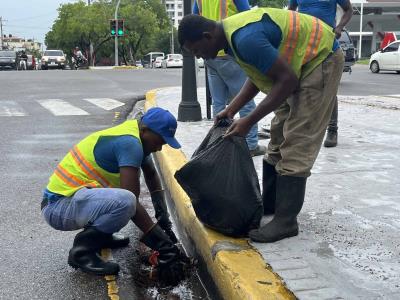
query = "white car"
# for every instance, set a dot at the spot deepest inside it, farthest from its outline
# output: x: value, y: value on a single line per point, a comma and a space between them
x: 173, y: 61
x: 157, y: 62
x: 387, y: 59
x: 53, y: 59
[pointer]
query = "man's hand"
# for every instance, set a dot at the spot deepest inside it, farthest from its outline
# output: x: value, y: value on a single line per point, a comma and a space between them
x: 338, y: 31
x: 225, y: 114
x: 239, y: 127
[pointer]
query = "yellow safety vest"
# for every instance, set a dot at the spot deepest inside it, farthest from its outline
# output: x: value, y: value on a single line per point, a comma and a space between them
x: 79, y: 169
x: 217, y: 10
x: 306, y: 41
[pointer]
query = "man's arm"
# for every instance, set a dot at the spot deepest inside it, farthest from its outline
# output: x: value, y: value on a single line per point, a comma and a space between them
x: 348, y: 13
x: 157, y: 194
x: 285, y: 83
x: 151, y: 177
x: 129, y: 179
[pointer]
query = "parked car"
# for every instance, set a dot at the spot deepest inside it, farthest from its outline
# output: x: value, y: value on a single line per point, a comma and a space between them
x: 348, y: 50
x: 386, y: 59
x: 173, y: 61
x: 157, y: 62
x: 53, y: 59
x: 8, y: 59
x: 139, y: 64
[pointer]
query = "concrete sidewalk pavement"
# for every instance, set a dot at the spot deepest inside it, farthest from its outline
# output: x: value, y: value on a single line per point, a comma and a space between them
x: 348, y: 246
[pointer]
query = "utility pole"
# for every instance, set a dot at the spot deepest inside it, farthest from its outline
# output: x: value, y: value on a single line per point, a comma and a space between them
x: 116, y: 34
x: 90, y: 47
x: 172, y: 39
x: 1, y: 32
x: 189, y: 107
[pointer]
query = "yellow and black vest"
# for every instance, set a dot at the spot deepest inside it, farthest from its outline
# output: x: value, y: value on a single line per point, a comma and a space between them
x: 79, y: 169
x: 306, y: 41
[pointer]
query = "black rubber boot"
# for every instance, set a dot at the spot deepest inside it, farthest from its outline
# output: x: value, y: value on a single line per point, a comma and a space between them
x: 290, y: 193
x: 331, y: 139
x: 269, y: 189
x: 115, y: 240
x: 83, y: 254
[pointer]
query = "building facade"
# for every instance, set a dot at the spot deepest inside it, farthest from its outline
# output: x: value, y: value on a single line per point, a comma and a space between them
x: 175, y: 11
x: 371, y: 19
x: 17, y: 43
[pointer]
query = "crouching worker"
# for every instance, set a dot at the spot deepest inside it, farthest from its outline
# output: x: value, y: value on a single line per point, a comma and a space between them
x: 96, y: 188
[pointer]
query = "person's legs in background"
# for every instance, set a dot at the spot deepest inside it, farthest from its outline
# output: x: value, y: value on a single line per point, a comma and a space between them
x: 234, y: 78
x: 332, y: 131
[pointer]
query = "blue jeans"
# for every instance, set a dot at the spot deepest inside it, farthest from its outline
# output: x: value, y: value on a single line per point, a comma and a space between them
x: 225, y: 79
x: 106, y: 209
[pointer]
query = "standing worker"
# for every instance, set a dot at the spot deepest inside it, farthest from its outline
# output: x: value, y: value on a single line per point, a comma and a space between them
x: 225, y: 77
x: 96, y: 188
x: 295, y: 59
x: 326, y: 11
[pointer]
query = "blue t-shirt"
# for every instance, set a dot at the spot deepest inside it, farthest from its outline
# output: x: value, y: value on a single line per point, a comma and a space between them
x: 257, y: 43
x: 322, y: 9
x: 113, y: 152
x: 241, y: 5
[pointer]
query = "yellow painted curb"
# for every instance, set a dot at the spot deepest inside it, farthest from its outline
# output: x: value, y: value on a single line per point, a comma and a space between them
x: 238, y: 270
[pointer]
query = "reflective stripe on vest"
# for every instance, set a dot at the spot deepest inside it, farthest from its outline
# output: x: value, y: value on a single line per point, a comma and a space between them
x: 88, y: 168
x: 306, y: 41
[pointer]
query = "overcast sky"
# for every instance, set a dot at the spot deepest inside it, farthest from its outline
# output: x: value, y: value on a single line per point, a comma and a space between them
x: 29, y: 18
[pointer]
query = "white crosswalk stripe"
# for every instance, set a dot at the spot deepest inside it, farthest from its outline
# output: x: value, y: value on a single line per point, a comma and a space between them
x: 105, y: 103
x: 11, y: 109
x: 60, y: 107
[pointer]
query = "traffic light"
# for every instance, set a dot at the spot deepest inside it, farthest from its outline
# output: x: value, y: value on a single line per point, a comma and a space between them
x: 113, y: 27
x: 121, y: 29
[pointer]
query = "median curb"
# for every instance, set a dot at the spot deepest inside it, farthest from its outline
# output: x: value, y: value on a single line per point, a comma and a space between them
x: 237, y: 269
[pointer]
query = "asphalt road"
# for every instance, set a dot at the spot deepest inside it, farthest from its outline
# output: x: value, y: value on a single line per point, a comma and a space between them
x: 42, y: 114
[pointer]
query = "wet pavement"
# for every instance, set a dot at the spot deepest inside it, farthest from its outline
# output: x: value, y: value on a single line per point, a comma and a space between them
x: 348, y: 246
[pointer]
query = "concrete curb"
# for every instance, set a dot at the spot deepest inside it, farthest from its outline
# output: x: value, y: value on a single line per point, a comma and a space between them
x: 238, y: 270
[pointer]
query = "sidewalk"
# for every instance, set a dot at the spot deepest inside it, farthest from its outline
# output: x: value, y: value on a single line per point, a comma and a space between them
x: 348, y: 246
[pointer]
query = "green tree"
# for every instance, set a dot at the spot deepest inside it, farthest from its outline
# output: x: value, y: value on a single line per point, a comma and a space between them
x: 79, y: 25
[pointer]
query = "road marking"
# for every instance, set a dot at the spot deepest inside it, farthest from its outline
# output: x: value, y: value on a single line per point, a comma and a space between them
x: 112, y: 286
x: 105, y: 103
x: 60, y: 107
x: 11, y: 109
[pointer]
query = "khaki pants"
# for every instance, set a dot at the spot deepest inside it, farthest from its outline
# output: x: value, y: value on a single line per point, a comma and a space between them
x: 299, y: 125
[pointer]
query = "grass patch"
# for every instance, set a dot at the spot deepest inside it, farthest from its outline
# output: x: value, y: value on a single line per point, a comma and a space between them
x: 363, y: 61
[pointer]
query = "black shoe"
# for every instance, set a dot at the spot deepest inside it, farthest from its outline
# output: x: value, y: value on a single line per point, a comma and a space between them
x: 269, y: 188
x: 331, y: 139
x: 83, y: 255
x: 290, y: 193
x: 259, y: 150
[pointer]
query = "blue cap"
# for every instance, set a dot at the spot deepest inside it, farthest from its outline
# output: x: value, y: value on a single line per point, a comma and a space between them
x: 162, y: 122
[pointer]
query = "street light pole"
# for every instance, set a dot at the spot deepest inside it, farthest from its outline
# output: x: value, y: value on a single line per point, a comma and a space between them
x: 116, y: 34
x: 189, y: 108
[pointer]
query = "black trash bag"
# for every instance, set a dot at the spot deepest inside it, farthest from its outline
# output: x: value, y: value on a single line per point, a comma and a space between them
x: 222, y: 183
